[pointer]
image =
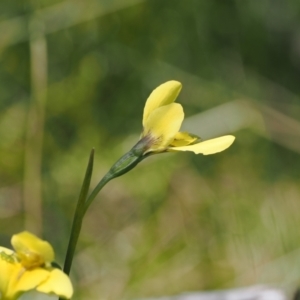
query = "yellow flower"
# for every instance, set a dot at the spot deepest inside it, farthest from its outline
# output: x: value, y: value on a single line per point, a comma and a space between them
x: 29, y: 267
x: 162, y: 120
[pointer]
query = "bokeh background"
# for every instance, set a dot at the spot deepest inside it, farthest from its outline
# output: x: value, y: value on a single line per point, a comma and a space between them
x: 76, y: 74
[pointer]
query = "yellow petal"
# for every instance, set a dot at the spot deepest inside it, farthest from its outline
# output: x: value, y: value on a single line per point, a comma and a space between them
x: 164, y: 94
x: 7, y: 267
x: 31, y: 250
x: 208, y: 147
x: 23, y: 280
x: 162, y: 125
x: 184, y: 139
x: 6, y: 250
x: 58, y: 283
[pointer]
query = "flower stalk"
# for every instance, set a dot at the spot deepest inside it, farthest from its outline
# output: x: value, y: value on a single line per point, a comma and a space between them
x: 122, y: 166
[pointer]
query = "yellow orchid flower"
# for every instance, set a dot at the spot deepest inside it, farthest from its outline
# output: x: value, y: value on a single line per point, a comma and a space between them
x: 29, y: 267
x: 161, y: 123
x: 162, y: 120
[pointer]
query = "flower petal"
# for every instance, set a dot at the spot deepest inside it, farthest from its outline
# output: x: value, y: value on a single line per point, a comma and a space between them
x: 162, y: 125
x: 23, y: 280
x: 164, y: 94
x: 7, y: 267
x: 58, y: 283
x: 208, y: 147
x: 184, y: 139
x: 31, y: 249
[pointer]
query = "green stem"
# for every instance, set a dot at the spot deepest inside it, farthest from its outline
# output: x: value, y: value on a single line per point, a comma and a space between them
x: 75, y: 231
x: 78, y: 216
x: 122, y: 166
x: 97, y: 189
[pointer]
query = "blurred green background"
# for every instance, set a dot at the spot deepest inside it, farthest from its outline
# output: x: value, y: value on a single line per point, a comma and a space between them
x: 76, y: 74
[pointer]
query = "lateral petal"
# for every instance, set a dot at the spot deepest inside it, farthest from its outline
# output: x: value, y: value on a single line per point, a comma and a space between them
x: 208, y: 147
x: 164, y: 94
x: 57, y: 283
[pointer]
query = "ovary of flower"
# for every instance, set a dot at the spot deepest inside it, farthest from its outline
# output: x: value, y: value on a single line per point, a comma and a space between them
x: 29, y: 267
x: 162, y: 120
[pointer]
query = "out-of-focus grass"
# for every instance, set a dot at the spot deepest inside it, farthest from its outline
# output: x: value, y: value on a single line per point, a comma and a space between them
x: 177, y: 222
